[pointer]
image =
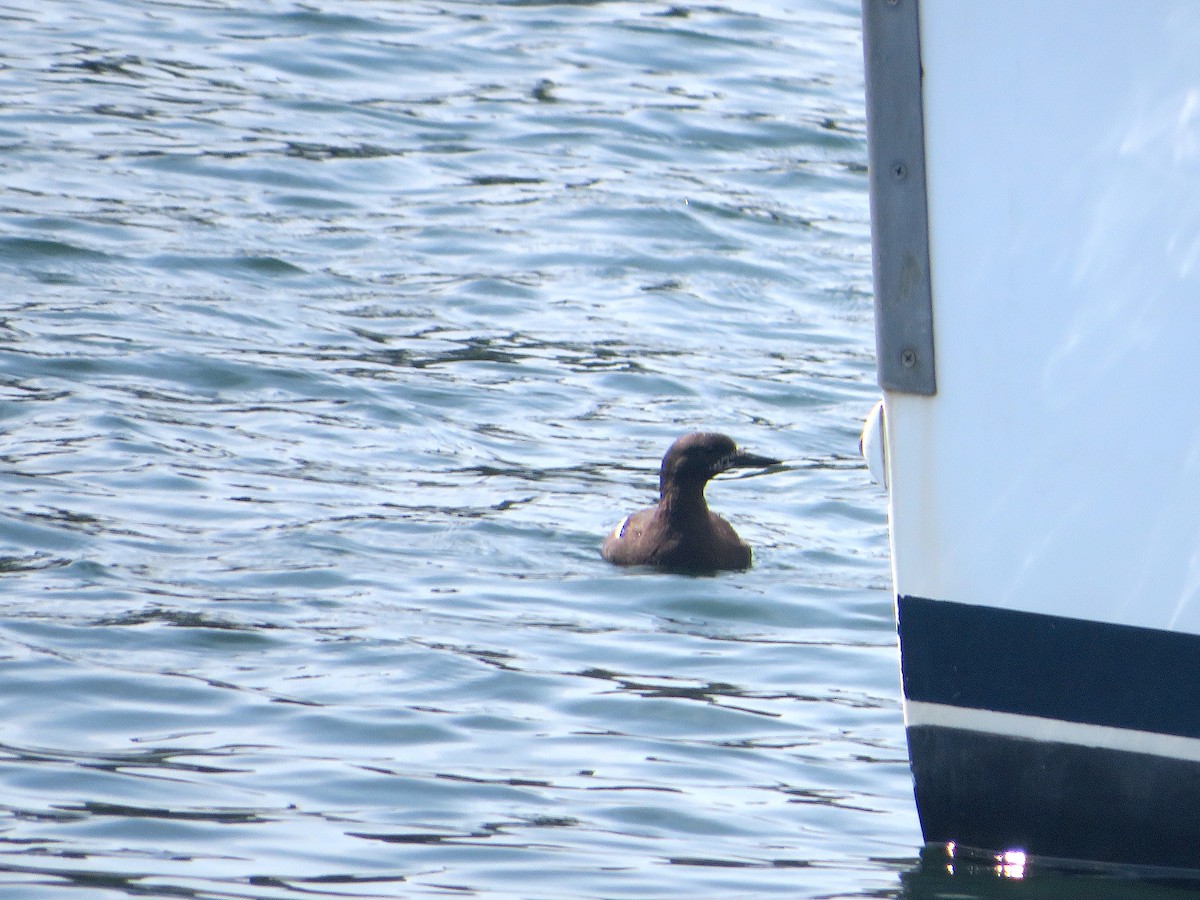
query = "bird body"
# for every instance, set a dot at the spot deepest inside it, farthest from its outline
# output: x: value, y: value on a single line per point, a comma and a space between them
x: 681, y: 533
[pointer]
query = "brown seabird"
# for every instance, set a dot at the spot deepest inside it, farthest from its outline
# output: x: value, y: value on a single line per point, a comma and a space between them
x: 680, y: 533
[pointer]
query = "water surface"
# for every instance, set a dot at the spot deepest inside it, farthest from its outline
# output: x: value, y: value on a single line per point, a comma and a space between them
x: 333, y: 338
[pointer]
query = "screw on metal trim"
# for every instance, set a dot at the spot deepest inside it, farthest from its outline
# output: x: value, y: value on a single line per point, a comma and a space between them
x: 908, y: 357
x: 899, y: 171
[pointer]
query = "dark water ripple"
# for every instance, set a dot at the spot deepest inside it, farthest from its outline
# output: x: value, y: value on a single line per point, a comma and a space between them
x: 332, y: 339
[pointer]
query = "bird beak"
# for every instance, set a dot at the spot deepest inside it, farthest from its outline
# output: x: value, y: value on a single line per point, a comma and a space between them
x: 744, y: 460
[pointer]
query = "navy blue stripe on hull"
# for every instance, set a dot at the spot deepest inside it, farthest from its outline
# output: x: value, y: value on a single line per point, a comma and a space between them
x: 1072, y: 670
x: 1056, y: 800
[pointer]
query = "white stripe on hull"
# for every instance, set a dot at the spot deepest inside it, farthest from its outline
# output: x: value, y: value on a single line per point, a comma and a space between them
x: 1035, y: 728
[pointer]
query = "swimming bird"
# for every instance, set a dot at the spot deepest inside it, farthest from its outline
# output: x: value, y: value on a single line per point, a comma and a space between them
x: 680, y: 533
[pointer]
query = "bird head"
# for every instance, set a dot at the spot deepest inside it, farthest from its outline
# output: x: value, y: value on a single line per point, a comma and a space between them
x: 697, y: 457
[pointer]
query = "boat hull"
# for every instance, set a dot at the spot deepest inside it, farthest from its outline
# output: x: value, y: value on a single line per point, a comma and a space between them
x: 1060, y: 737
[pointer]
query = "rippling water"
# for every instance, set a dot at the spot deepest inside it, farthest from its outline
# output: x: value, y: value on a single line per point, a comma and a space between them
x: 333, y: 337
